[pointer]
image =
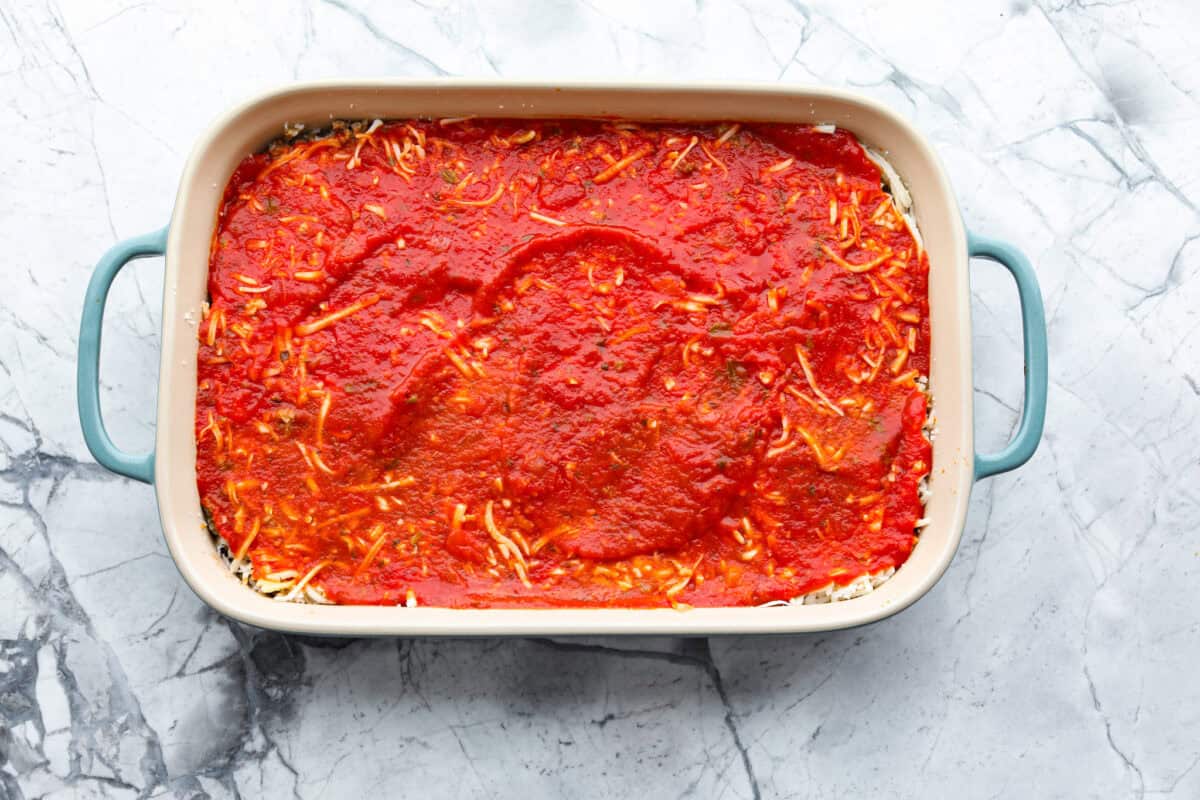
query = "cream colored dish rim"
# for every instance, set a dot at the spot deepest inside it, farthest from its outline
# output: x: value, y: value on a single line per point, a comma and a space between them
x: 249, y: 126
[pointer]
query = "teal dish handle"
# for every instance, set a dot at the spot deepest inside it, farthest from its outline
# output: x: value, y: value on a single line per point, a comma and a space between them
x: 140, y: 467
x: 1033, y: 324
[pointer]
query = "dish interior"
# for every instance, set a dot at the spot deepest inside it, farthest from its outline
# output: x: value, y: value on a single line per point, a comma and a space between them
x: 564, y: 363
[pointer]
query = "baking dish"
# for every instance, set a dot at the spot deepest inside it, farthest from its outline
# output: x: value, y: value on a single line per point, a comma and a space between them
x: 185, y: 245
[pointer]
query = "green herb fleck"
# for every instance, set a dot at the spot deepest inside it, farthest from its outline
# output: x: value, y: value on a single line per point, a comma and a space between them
x: 449, y: 175
x: 735, y: 372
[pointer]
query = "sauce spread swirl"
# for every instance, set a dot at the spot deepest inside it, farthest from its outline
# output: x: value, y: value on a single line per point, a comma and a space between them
x: 498, y: 363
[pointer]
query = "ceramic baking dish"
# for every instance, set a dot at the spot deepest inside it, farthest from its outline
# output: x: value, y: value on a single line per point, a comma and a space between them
x: 246, y: 129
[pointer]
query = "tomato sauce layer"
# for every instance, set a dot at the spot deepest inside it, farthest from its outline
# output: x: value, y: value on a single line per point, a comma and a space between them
x: 563, y: 363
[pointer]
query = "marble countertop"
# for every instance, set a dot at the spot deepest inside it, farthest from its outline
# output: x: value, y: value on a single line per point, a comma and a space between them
x: 1056, y: 658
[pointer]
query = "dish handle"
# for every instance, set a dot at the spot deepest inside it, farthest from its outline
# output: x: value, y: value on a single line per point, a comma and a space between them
x: 140, y: 467
x: 1033, y: 324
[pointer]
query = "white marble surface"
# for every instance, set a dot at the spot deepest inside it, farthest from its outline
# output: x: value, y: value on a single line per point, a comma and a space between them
x: 1058, y: 656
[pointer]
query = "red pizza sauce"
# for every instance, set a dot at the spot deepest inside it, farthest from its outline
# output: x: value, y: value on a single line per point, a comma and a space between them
x: 508, y: 363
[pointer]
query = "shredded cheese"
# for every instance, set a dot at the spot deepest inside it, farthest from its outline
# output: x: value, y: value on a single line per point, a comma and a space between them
x: 617, y: 167
x: 309, y: 328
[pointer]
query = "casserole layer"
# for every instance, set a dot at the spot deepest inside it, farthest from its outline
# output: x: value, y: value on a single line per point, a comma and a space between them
x: 735, y: 322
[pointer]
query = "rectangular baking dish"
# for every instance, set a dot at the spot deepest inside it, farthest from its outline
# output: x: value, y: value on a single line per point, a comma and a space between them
x: 246, y: 129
